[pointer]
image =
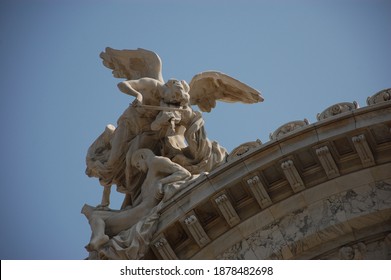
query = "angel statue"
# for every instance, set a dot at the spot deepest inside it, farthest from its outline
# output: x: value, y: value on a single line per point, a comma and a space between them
x: 160, y: 119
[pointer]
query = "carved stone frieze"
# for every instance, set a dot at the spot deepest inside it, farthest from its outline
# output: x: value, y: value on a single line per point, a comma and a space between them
x: 326, y: 220
x: 354, y: 252
x: 363, y: 150
x: 327, y: 162
x: 227, y: 210
x: 381, y: 96
x: 292, y: 175
x: 367, y: 249
x: 337, y: 109
x: 258, y: 190
x: 287, y: 128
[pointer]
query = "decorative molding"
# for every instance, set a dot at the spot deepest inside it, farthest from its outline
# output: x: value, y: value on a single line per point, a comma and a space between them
x: 226, y: 208
x: 292, y: 175
x: 337, y: 109
x: 327, y: 209
x: 327, y: 162
x: 380, y: 97
x: 161, y: 245
x: 363, y: 150
x: 243, y: 148
x: 354, y: 252
x: 287, y: 128
x: 259, y: 191
x: 196, y: 230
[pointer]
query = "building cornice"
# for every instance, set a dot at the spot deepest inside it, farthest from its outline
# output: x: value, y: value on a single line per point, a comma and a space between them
x: 263, y: 184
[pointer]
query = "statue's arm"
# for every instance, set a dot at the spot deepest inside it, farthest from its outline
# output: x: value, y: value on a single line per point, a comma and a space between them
x: 141, y: 88
x: 105, y: 196
x: 175, y: 171
x: 131, y: 87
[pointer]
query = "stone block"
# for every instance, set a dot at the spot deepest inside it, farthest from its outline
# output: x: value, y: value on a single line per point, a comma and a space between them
x: 287, y: 206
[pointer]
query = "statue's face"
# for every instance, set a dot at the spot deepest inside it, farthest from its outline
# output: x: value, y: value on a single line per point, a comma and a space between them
x: 175, y: 94
x: 141, y: 164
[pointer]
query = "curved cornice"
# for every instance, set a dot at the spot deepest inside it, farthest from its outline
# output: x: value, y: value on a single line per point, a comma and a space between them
x: 266, y: 185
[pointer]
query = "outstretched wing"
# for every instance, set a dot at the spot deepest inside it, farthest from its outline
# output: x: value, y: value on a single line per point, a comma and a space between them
x: 209, y: 86
x: 133, y: 64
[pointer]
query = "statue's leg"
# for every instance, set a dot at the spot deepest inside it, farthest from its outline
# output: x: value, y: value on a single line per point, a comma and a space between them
x: 118, y: 144
x: 126, y: 219
x: 106, y: 196
x: 129, y: 169
x: 98, y: 226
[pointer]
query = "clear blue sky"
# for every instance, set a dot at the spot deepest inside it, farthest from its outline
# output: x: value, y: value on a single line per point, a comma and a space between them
x: 57, y: 97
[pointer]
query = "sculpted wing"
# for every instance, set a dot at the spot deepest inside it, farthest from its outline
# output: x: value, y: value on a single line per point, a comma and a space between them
x: 133, y: 64
x: 209, y: 86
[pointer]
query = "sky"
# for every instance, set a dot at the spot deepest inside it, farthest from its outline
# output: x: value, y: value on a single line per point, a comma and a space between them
x: 57, y: 97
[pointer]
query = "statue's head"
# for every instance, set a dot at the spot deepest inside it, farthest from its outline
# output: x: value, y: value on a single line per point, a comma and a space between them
x: 140, y: 159
x: 176, y: 93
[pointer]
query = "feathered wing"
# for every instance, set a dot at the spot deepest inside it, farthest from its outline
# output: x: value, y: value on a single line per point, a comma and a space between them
x: 209, y: 86
x: 133, y: 64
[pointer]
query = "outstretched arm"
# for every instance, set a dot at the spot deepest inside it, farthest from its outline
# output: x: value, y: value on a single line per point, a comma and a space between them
x: 132, y: 88
x: 143, y: 89
x: 175, y: 171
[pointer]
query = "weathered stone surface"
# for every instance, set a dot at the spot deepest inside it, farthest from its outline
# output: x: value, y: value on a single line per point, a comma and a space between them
x: 381, y: 96
x: 158, y: 149
x: 351, y: 206
x: 315, y: 191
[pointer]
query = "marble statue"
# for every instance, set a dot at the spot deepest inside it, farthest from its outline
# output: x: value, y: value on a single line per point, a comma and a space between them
x: 159, y: 140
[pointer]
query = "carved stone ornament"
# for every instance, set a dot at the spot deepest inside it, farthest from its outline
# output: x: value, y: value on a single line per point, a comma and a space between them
x: 327, y: 162
x: 243, y: 149
x: 227, y: 210
x: 354, y: 252
x: 287, y: 128
x: 157, y: 147
x: 337, y: 109
x: 292, y: 175
x: 259, y: 192
x: 363, y: 150
x: 196, y: 230
x: 381, y: 96
x: 163, y: 248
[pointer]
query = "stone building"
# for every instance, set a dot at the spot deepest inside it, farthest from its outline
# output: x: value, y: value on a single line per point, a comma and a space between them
x: 314, y: 191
